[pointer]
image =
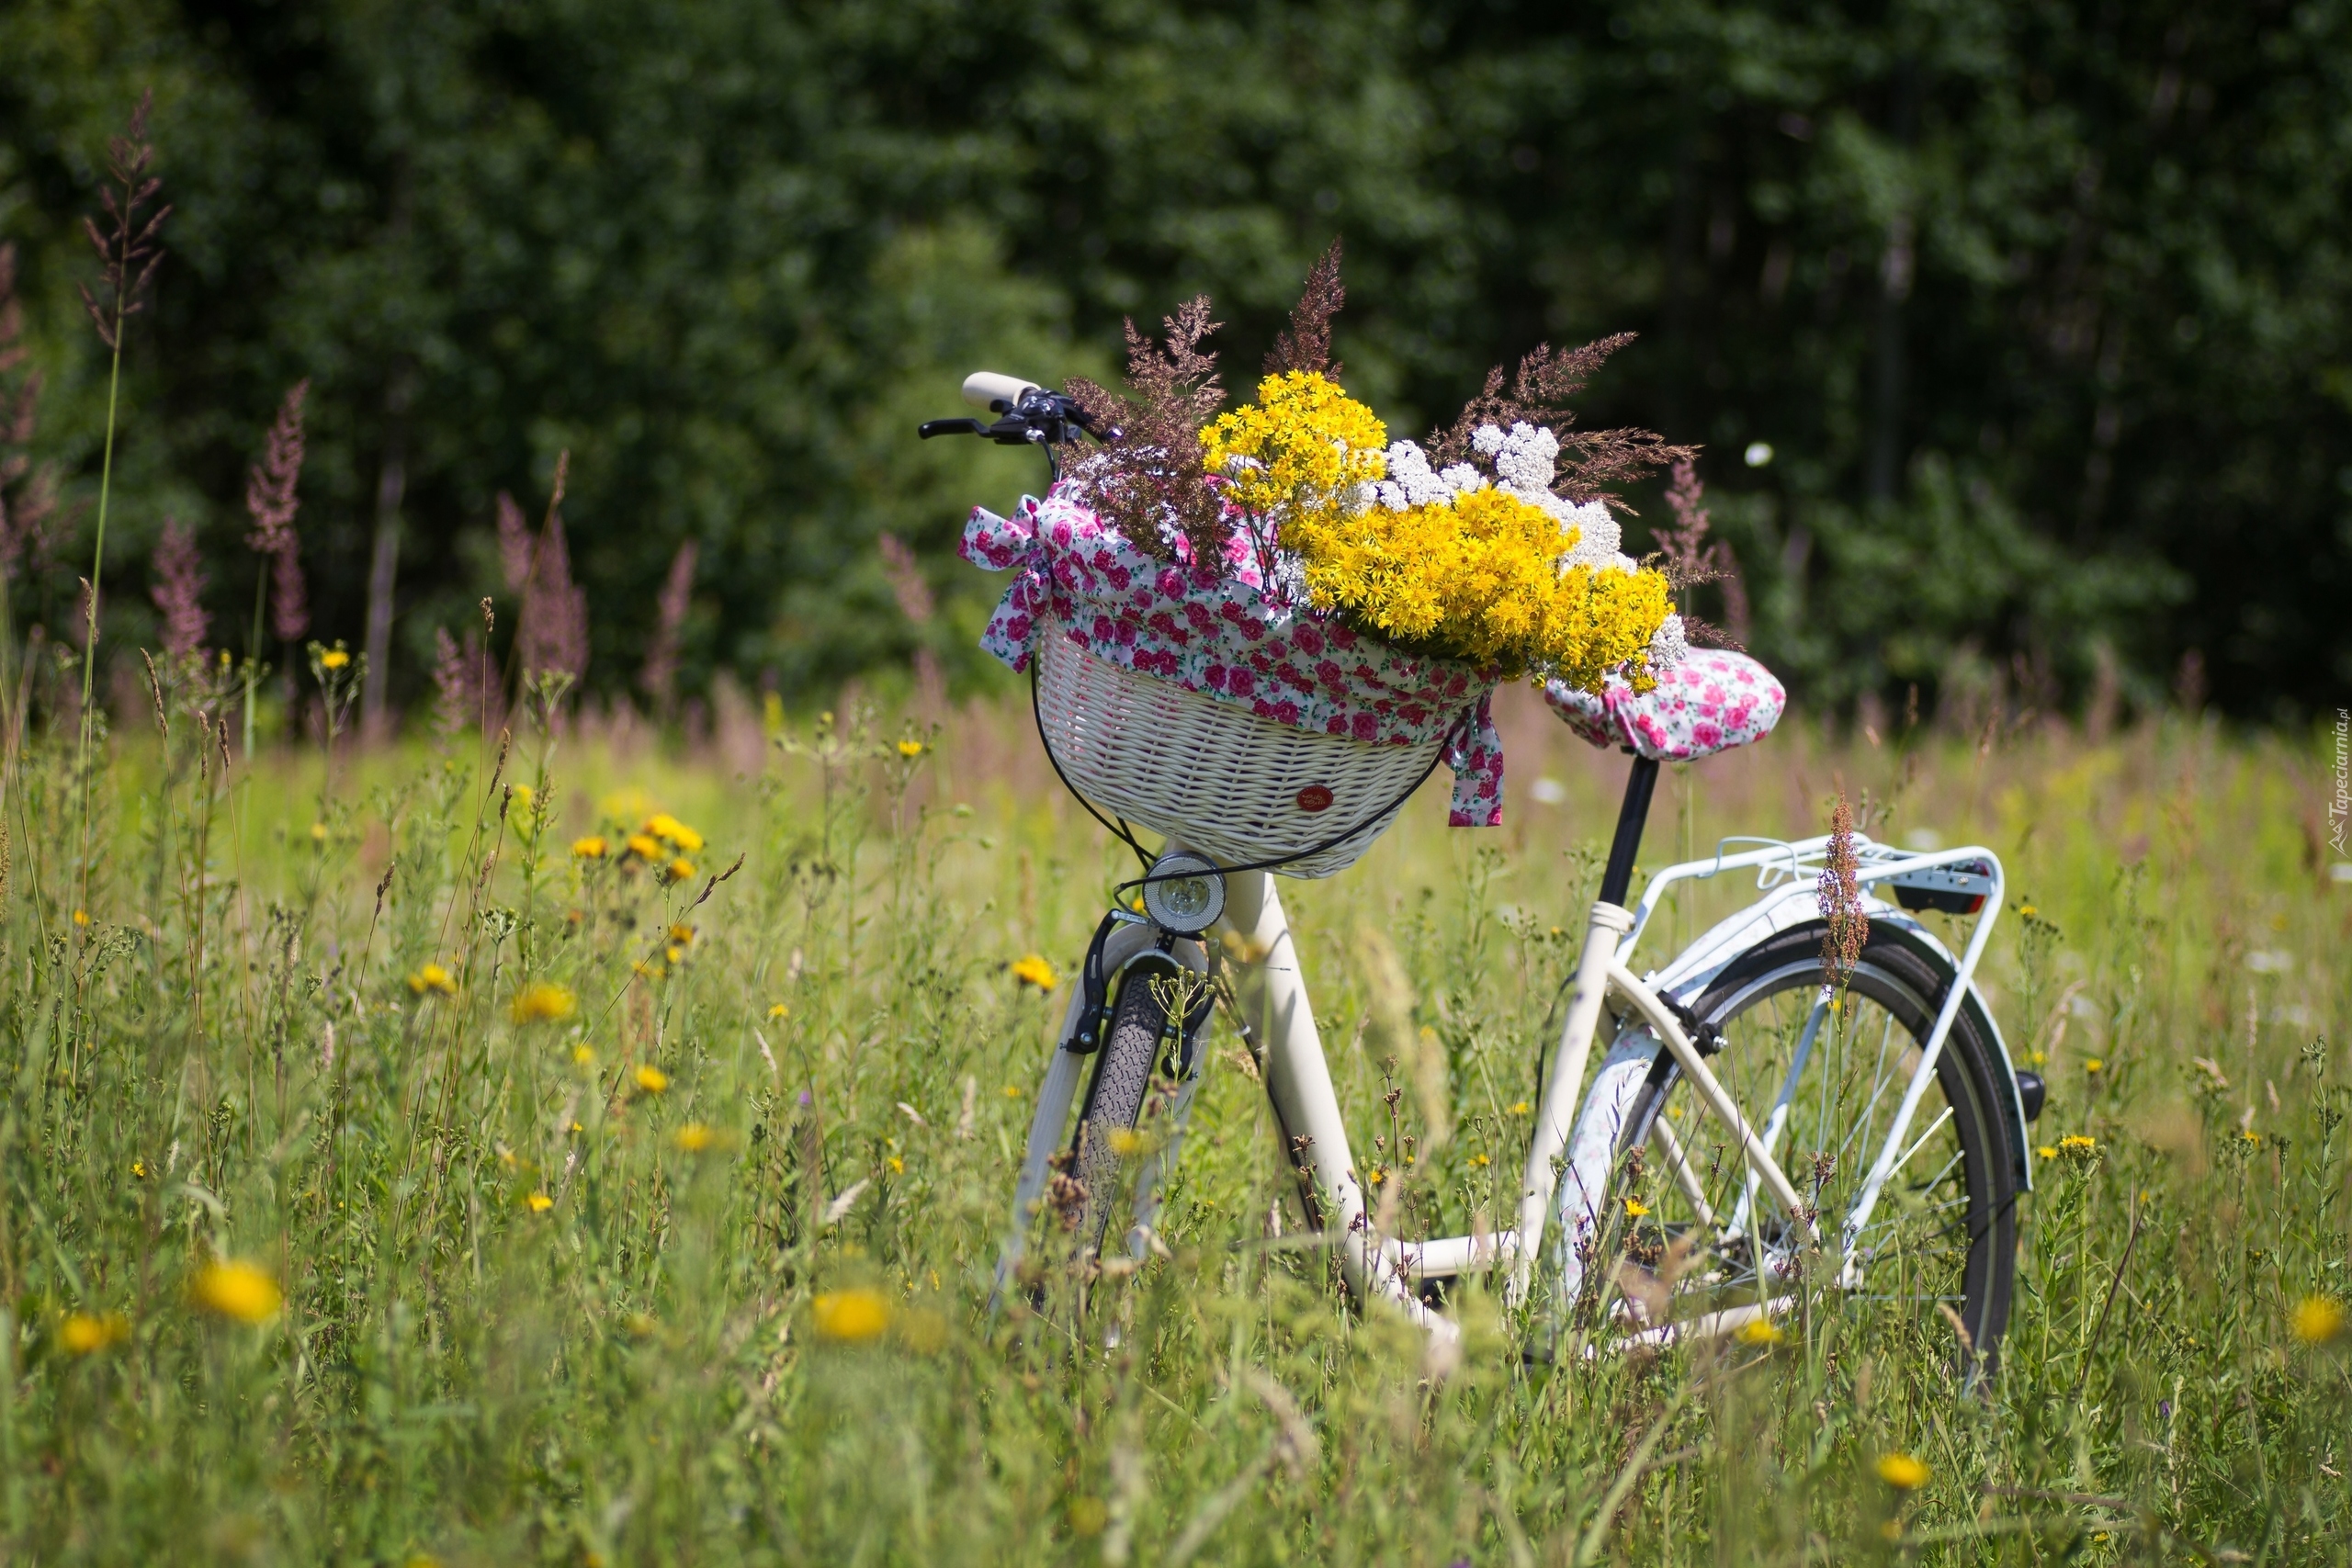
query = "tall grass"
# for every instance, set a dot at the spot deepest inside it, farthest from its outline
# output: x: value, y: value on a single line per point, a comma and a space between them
x: 625, y: 1212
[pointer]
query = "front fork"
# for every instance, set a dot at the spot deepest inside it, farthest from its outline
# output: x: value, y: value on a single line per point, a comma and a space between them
x: 1065, y: 1079
x: 1271, y: 990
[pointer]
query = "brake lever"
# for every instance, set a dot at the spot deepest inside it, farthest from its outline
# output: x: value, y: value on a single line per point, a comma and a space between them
x: 932, y: 427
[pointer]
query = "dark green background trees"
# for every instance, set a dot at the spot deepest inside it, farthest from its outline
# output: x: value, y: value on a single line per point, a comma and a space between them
x: 2041, y: 306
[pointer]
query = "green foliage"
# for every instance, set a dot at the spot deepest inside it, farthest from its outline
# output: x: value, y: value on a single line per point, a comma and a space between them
x: 2041, y: 308
x: 576, y: 1171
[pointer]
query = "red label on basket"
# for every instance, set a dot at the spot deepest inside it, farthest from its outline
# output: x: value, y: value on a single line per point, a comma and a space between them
x: 1314, y: 797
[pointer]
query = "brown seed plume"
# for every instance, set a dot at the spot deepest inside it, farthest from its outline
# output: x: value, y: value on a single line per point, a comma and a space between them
x: 1840, y: 896
x: 128, y: 251
x: 658, y: 678
x: 272, y: 498
x: 1692, y: 559
x: 178, y: 590
x: 1149, y: 481
x: 1308, y: 344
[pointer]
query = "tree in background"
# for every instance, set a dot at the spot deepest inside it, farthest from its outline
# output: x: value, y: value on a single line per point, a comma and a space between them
x: 2040, y: 310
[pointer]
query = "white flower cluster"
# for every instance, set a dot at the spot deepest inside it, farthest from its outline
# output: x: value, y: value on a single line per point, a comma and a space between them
x: 1523, y: 459
x: 1669, y: 644
x: 1411, y: 483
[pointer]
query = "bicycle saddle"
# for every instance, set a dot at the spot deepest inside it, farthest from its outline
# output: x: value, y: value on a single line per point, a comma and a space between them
x: 1711, y: 701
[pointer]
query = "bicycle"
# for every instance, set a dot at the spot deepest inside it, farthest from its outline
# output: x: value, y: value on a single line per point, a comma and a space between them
x: 1755, y: 1013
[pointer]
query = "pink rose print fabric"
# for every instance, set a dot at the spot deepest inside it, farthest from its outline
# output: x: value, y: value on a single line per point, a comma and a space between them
x: 1219, y: 631
x: 1711, y: 702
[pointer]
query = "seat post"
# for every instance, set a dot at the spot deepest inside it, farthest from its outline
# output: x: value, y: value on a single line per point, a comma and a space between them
x: 1632, y: 816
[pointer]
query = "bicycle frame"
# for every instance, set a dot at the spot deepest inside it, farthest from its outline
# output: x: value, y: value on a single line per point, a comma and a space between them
x: 1255, y: 941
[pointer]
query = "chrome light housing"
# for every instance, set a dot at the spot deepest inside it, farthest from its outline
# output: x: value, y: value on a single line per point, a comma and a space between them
x: 1183, y: 893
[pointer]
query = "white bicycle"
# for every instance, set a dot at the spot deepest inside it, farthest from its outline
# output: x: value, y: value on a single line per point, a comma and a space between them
x: 1764, y: 1124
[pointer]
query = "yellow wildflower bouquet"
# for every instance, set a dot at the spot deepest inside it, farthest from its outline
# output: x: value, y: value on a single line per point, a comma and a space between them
x: 1466, y: 550
x: 1496, y: 570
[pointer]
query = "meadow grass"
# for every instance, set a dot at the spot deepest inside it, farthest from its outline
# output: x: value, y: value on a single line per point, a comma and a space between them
x: 390, y: 1180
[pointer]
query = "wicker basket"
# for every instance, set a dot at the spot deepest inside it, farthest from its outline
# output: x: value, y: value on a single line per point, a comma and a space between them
x: 1234, y: 787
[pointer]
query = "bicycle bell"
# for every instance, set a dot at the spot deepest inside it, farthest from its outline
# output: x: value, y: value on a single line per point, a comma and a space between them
x: 1183, y: 893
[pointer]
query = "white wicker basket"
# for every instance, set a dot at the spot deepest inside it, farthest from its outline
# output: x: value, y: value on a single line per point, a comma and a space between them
x: 1237, y: 787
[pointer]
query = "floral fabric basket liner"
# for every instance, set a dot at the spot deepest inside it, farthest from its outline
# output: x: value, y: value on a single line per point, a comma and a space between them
x: 1219, y: 632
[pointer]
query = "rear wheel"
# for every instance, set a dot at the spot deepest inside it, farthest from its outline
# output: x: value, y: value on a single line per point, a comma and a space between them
x: 1822, y: 1089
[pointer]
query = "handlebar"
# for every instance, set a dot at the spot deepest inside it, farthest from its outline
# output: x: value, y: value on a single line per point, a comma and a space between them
x: 1028, y: 416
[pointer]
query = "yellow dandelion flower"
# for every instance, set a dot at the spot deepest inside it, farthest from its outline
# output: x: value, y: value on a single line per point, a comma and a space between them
x: 1012, y: 1091
x: 1635, y: 1208
x: 777, y: 1010
x: 644, y: 846
x: 1032, y: 970
x: 435, y: 979
x: 2046, y: 1152
x: 242, y: 1290
x: 85, y: 1335
x: 80, y: 917
x: 2319, y: 1320
x: 693, y: 1138
x: 1520, y: 1108
x: 682, y: 934
x: 2095, y: 1065
x: 2074, y: 1145
x: 318, y: 832
x: 542, y: 1001
x: 1479, y: 1159
x: 671, y: 831
x: 1901, y: 1471
x: 582, y: 1056
x: 652, y: 1080
x: 911, y: 749
x: 1758, y: 1331
x: 333, y: 658
x: 1126, y: 1141
x: 538, y: 1202
x: 852, y: 1317
x: 592, y: 847
x: 681, y: 869
x: 897, y: 1166
x: 139, y: 1169
x: 525, y: 797
x: 675, y: 953
x: 2251, y: 1136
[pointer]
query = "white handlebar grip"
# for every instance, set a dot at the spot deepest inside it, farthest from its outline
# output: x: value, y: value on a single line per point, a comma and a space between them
x: 984, y: 389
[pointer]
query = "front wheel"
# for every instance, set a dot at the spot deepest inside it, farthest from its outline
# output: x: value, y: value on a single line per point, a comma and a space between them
x: 1145, y: 1042
x: 1699, y: 1236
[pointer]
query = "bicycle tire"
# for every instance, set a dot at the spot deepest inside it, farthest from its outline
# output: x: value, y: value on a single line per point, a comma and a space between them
x: 1908, y: 979
x: 1115, y: 1095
